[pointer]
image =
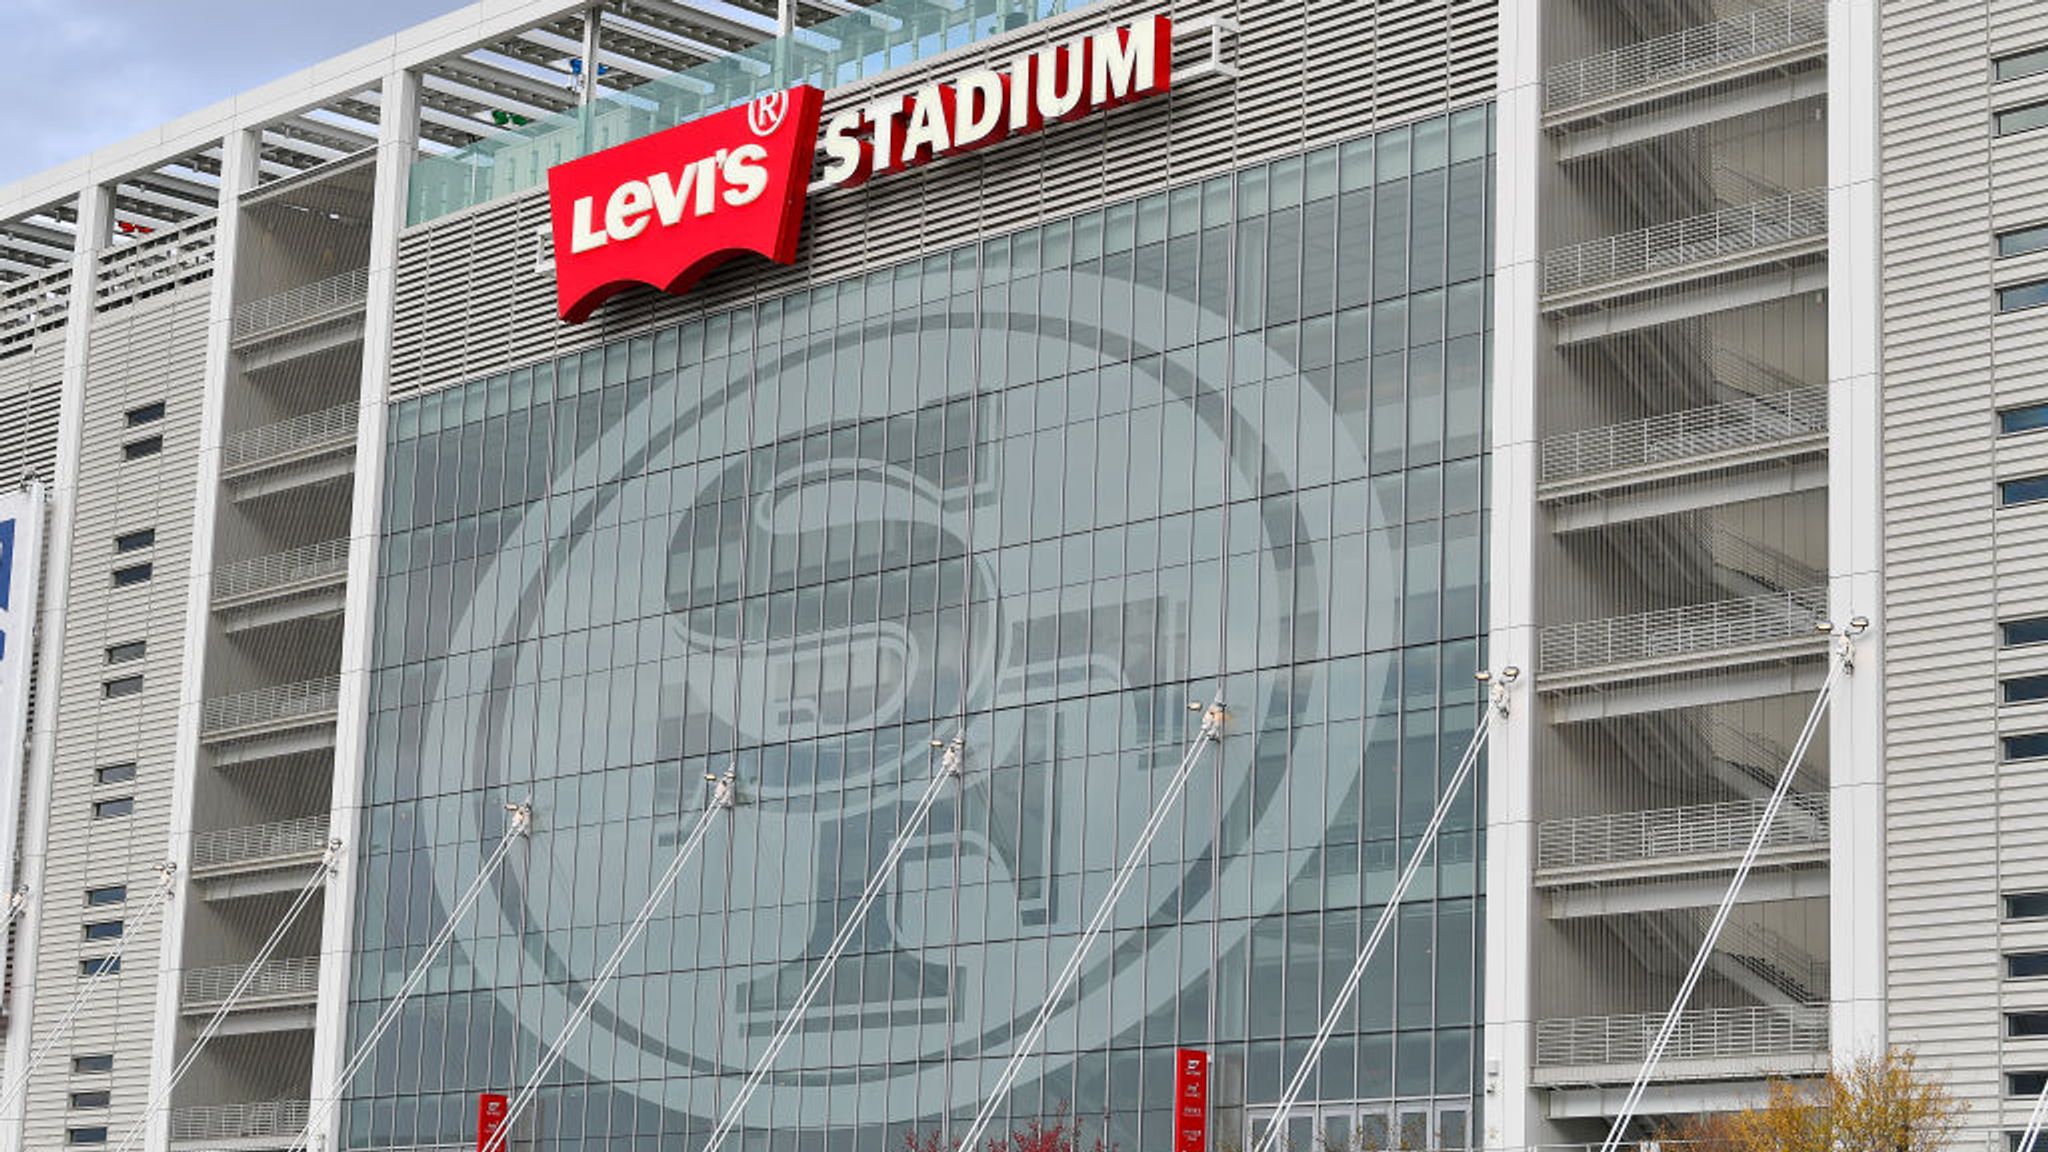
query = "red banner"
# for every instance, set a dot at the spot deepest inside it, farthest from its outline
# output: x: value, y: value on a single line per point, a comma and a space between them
x: 490, y: 1116
x: 1190, y: 1100
x: 665, y: 209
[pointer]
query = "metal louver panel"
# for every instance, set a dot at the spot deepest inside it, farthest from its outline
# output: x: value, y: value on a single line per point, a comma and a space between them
x: 471, y: 297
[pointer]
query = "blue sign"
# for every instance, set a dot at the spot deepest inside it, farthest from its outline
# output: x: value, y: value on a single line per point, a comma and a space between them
x: 6, y: 576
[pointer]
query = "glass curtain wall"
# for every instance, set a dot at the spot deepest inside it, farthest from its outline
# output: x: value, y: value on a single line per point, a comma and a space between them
x: 1045, y: 489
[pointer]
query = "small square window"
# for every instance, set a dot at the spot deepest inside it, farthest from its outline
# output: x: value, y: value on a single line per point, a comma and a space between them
x: 2028, y: 630
x: 125, y: 686
x: 2020, y: 241
x: 2025, y: 1083
x: 2018, y: 1024
x: 85, y: 1137
x: 2023, y: 689
x: 114, y: 774
x: 101, y: 897
x: 2025, y: 965
x: 2032, y: 417
x: 92, y: 1098
x: 109, y: 809
x: 104, y: 930
x: 2025, y: 490
x: 2026, y: 905
x: 2020, y: 64
x: 133, y: 574
x: 128, y: 653
x: 2019, y: 297
x: 146, y: 414
x: 135, y: 541
x: 2025, y: 118
x: 2025, y: 746
x: 93, y: 1064
x: 140, y: 449
x: 100, y: 966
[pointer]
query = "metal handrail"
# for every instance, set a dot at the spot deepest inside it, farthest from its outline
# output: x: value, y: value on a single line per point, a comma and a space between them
x: 324, y: 560
x: 1703, y: 1034
x: 1695, y: 628
x: 1694, y: 830
x: 254, y: 1120
x: 1685, y: 435
x: 282, y: 976
x: 223, y: 847
x: 317, y: 300
x: 330, y: 427
x: 1731, y: 231
x: 1687, y: 52
x: 310, y: 698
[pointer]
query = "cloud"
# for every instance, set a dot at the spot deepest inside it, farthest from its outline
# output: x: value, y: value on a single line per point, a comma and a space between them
x: 94, y: 72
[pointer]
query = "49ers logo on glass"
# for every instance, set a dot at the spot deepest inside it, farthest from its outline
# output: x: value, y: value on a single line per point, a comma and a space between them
x: 668, y: 208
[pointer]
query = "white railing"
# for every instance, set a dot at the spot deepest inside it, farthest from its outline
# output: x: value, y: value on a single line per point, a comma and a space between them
x: 228, y: 847
x: 329, y: 428
x: 1662, y: 833
x: 1693, y: 433
x: 312, y: 698
x: 1688, y: 52
x: 164, y: 261
x: 319, y: 300
x: 295, y: 976
x: 314, y: 562
x: 1732, y: 231
x: 255, y: 1121
x: 34, y: 305
x: 1693, y: 629
x: 1703, y: 1034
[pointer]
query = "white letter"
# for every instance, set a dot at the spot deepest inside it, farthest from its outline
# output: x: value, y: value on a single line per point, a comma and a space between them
x: 977, y: 107
x: 846, y: 155
x: 582, y: 237
x: 744, y: 172
x: 927, y: 127
x: 671, y: 194
x: 881, y: 118
x: 1126, y: 63
x: 1023, y: 112
x: 629, y: 200
x: 1067, y: 62
x: 705, y: 172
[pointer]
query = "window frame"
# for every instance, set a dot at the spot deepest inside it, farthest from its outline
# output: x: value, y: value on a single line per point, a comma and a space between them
x: 92, y: 1098
x: 106, y: 895
x: 142, y: 448
x: 131, y: 575
x: 127, y: 652
x: 96, y: 931
x: 135, y: 541
x: 93, y: 1064
x: 1998, y: 239
x: 2037, y: 684
x: 91, y: 966
x: 122, y: 687
x: 2036, y: 484
x: 2008, y: 427
x: 1998, y: 74
x: 107, y: 809
x: 1998, y: 119
x: 145, y: 414
x: 115, y: 773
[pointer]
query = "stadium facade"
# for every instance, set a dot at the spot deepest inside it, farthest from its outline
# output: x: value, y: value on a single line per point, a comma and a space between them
x: 400, y: 568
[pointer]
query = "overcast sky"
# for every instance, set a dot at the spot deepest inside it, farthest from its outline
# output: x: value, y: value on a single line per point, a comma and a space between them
x: 82, y: 74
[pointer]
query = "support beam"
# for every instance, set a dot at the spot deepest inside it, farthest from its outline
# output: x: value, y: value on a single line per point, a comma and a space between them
x: 1625, y: 899
x: 1700, y: 302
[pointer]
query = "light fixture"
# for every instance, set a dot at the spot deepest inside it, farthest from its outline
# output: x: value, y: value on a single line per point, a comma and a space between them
x: 1510, y: 674
x: 1858, y: 623
x: 1483, y: 675
x: 1823, y: 625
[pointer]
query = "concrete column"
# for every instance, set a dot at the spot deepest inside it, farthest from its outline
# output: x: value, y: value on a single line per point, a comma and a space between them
x: 95, y: 216
x: 1512, y: 1117
x: 239, y: 160
x: 1856, y: 734
x: 397, y: 147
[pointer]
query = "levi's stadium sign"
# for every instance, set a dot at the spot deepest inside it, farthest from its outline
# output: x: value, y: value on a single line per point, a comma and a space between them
x: 666, y: 209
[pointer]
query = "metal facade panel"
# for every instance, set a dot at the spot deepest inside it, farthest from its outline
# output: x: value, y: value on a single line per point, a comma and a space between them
x: 1960, y: 827
x: 470, y: 299
x: 152, y: 350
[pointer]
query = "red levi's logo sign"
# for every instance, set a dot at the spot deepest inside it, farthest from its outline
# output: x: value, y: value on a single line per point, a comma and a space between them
x: 666, y: 209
